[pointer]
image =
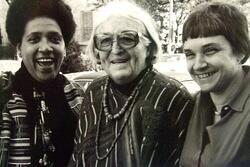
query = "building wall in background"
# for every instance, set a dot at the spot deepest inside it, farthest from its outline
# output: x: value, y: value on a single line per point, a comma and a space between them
x: 3, y: 11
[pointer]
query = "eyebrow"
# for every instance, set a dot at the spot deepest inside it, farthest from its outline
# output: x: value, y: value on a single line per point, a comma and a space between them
x: 187, y: 50
x: 204, y: 46
x: 39, y: 32
x: 124, y: 31
x: 209, y: 44
x: 106, y: 33
x: 55, y: 33
x: 33, y: 33
x: 49, y: 33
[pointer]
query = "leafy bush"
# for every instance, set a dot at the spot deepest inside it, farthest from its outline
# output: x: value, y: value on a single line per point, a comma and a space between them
x: 75, y: 61
x: 7, y: 52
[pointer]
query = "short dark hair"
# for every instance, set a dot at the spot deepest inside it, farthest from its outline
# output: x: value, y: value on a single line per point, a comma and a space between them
x: 22, y: 11
x: 217, y: 18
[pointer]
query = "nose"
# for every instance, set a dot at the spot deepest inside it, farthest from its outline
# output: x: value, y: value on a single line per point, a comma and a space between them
x: 199, y: 62
x: 44, y: 46
x: 116, y: 49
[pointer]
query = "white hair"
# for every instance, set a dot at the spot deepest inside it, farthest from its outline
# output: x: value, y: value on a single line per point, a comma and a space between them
x: 128, y: 10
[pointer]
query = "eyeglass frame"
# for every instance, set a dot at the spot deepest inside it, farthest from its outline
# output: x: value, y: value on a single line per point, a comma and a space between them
x: 138, y: 35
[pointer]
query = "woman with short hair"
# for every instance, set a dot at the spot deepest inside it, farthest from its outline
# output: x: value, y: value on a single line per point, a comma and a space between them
x: 216, y: 44
x: 38, y: 118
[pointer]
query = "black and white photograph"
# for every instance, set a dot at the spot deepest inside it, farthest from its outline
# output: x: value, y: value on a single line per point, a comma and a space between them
x: 124, y: 83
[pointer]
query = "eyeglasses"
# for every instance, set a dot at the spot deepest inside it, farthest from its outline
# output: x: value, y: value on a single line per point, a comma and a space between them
x: 124, y: 39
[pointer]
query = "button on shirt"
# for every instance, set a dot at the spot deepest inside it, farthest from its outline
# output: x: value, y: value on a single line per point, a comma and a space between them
x: 225, y: 143
x: 224, y: 111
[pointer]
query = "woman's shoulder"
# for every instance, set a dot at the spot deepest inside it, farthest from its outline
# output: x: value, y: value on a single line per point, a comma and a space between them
x: 6, y: 80
x: 70, y: 85
x: 97, y: 83
x: 165, y: 81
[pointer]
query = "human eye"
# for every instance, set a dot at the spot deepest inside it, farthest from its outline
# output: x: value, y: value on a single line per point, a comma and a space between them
x: 189, y: 54
x: 127, y: 38
x: 103, y: 41
x: 106, y: 41
x: 55, y: 38
x: 211, y: 50
x: 34, y: 38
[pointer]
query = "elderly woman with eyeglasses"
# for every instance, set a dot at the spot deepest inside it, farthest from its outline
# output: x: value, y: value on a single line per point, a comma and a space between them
x: 134, y: 116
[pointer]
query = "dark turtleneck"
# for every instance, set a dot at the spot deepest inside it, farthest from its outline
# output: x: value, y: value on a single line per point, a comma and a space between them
x: 61, y: 120
x: 127, y: 89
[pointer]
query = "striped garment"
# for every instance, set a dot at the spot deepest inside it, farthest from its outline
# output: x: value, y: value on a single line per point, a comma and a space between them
x: 14, y: 135
x: 154, y: 134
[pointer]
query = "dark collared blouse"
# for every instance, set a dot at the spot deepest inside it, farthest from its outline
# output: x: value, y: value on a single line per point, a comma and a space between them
x: 225, y: 143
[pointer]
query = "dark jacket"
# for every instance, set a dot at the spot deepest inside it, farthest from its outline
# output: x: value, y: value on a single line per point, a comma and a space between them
x: 155, y: 131
x: 15, y: 128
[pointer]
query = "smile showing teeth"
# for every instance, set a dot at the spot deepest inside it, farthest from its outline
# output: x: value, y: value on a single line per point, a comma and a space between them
x: 202, y: 76
x: 45, y: 61
x: 119, y: 61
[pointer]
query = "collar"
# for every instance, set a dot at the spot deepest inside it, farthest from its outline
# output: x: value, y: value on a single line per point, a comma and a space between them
x: 25, y: 82
x: 238, y: 102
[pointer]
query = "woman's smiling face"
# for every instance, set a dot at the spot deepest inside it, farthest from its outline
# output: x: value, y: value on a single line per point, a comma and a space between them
x: 211, y: 62
x: 123, y: 65
x: 42, y: 48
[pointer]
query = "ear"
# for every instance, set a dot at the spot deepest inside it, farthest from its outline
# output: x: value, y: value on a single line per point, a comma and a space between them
x: 240, y: 58
x: 18, y: 50
x: 98, y: 61
x: 147, y: 51
x: 97, y: 57
x: 150, y: 50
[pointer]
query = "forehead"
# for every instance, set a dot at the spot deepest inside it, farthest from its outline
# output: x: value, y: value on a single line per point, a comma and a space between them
x: 198, y: 43
x: 42, y: 25
x: 115, y: 24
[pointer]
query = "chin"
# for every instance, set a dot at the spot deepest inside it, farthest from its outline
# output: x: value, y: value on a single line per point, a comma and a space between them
x: 206, y: 89
x: 122, y: 79
x: 45, y: 79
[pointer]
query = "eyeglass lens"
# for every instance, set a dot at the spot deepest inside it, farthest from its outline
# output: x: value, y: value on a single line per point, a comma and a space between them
x: 125, y: 40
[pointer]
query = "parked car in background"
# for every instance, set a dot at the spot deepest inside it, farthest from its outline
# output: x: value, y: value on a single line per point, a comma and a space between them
x: 175, y: 70
x: 178, y: 71
x: 10, y: 65
x: 86, y: 77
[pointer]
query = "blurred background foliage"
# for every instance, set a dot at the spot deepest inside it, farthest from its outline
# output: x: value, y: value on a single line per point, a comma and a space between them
x: 75, y: 60
x: 168, y: 14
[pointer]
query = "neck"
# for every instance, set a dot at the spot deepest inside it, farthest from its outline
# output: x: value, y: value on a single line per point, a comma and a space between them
x: 25, y: 82
x: 126, y: 89
x: 223, y: 98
